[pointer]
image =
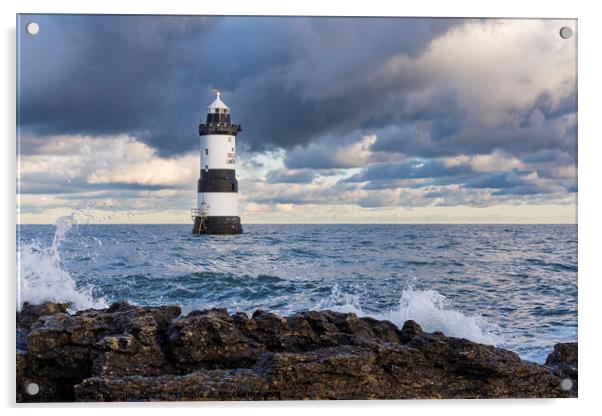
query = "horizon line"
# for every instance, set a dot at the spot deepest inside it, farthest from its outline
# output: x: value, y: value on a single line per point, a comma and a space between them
x: 335, y: 223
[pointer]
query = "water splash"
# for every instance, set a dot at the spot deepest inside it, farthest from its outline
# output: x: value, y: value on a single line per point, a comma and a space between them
x: 41, y: 276
x: 432, y: 310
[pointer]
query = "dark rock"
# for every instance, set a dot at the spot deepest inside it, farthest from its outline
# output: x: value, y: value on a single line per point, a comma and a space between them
x: 267, y: 329
x: 383, y: 330
x: 132, y: 353
x: 563, y: 362
x: 565, y: 354
x: 410, y: 330
x: 63, y: 349
x: 138, y: 351
x: 349, y: 323
x: 309, y: 330
x: 240, y: 317
x: 209, y: 339
x: 21, y: 369
x: 30, y: 313
x: 239, y: 384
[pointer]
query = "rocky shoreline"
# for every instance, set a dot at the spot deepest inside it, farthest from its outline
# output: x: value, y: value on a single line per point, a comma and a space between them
x: 132, y: 353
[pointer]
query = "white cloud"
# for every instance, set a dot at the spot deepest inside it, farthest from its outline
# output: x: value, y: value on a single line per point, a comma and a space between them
x: 497, y: 161
x: 337, y: 153
x: 107, y: 160
x: 494, y: 66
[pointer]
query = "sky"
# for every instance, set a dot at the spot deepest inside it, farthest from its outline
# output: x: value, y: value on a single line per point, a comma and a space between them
x: 345, y: 120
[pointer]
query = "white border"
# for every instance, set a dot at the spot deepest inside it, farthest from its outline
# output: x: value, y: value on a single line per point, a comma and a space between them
x: 588, y: 198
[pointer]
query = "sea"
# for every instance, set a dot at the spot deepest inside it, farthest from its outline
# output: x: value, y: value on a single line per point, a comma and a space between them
x: 513, y: 286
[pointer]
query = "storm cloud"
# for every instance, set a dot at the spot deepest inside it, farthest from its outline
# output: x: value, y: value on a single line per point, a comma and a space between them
x: 288, y: 80
x: 413, y: 169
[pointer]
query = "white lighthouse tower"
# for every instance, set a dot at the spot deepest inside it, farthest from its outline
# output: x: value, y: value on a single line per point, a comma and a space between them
x: 217, y: 200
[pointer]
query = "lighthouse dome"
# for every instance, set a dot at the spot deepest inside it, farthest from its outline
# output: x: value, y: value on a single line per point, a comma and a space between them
x: 218, y: 106
x: 218, y: 119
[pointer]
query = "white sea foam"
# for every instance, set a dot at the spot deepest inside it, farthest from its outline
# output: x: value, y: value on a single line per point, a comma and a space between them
x: 429, y: 308
x: 41, y: 277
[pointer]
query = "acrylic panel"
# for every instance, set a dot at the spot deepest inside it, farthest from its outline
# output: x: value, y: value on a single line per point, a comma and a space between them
x: 288, y: 208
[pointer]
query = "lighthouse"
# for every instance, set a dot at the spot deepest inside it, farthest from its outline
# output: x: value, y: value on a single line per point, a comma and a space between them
x: 217, y: 191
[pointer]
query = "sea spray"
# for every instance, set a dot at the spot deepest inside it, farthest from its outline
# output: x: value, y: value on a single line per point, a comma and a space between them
x: 429, y: 308
x: 41, y: 276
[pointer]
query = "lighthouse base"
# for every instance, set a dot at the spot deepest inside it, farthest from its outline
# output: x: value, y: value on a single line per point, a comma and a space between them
x: 217, y: 225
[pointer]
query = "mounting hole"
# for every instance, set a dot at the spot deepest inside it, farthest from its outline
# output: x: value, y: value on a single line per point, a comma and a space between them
x: 566, y: 32
x: 32, y: 389
x: 32, y: 28
x: 566, y: 384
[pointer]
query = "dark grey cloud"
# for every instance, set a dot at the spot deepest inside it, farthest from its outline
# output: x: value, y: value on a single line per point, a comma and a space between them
x: 323, y: 155
x: 52, y: 187
x: 514, y: 182
x: 447, y: 134
x: 290, y: 81
x: 435, y: 194
x: 95, y: 75
x: 433, y: 173
x: 151, y: 76
x: 501, y: 180
x: 524, y: 190
x: 412, y: 169
x: 553, y: 156
x: 283, y: 176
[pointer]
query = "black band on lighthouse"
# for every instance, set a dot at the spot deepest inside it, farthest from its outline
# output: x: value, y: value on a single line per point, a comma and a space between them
x: 219, y: 128
x: 218, y: 185
x: 218, y: 173
x: 217, y: 225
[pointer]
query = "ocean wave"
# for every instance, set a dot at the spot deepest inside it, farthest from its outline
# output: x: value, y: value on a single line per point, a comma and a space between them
x: 429, y: 308
x: 552, y: 265
x: 41, y: 277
